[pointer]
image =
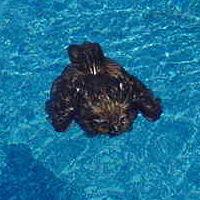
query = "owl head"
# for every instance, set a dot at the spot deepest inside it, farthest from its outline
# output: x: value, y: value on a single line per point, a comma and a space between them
x: 108, y: 116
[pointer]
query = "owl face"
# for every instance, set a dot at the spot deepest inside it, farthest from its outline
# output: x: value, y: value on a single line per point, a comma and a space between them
x: 105, y: 117
x: 114, y: 124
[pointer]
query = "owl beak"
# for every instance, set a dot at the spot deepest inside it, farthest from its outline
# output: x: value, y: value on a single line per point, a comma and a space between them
x: 114, y: 129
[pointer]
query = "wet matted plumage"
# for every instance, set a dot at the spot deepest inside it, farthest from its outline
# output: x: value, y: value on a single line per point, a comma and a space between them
x: 98, y: 94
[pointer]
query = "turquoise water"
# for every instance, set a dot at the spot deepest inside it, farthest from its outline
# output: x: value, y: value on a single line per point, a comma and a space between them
x: 157, y: 41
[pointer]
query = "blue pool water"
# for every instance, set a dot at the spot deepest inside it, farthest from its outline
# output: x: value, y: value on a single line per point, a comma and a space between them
x: 157, y: 41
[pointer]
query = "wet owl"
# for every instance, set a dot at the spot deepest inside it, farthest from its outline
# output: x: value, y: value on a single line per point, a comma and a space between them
x: 98, y: 94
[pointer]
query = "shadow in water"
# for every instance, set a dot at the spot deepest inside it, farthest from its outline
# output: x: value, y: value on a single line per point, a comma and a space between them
x: 24, y: 178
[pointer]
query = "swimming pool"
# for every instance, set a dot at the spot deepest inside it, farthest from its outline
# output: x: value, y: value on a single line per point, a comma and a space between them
x: 157, y: 41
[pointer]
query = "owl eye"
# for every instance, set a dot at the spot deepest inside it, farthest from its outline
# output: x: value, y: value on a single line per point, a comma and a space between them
x: 99, y: 121
x: 122, y: 119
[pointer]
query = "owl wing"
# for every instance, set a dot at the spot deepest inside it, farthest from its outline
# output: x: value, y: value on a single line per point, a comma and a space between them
x: 143, y: 98
x: 62, y: 103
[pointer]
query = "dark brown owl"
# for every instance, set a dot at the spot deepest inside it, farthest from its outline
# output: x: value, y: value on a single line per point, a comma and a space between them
x: 98, y: 94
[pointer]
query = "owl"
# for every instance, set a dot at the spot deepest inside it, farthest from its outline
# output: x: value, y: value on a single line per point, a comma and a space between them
x: 98, y: 94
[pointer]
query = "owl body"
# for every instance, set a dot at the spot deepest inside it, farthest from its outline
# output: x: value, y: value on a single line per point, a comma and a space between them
x: 98, y: 94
